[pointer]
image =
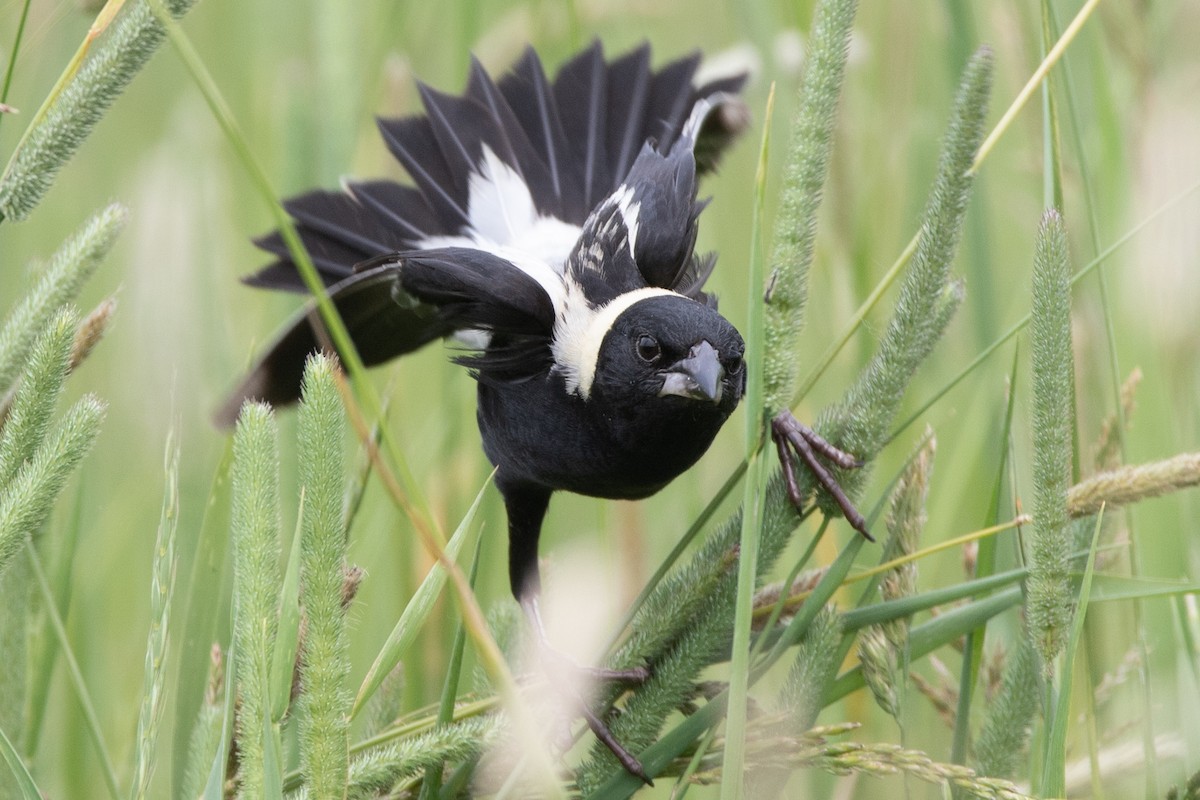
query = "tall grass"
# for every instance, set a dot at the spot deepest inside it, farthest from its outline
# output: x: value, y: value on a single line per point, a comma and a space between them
x: 108, y: 684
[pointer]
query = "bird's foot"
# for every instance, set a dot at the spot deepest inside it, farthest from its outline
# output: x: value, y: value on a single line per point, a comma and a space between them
x: 564, y: 674
x: 793, y: 438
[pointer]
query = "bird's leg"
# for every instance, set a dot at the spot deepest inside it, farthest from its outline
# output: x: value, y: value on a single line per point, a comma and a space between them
x: 553, y: 661
x: 529, y: 605
x: 794, y: 438
x: 526, y: 505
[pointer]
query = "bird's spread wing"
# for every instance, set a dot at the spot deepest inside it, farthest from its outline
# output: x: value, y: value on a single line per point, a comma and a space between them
x: 643, y: 234
x: 505, y: 178
x: 408, y: 299
x: 365, y: 302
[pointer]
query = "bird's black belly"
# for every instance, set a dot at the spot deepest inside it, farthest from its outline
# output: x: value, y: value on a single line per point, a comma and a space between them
x: 536, y: 432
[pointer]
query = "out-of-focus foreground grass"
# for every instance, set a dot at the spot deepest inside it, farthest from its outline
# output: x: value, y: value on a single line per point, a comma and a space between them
x: 305, y: 79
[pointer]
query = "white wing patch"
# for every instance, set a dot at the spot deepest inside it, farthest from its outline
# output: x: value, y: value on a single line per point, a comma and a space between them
x: 623, y: 198
x: 505, y: 222
x: 500, y: 206
x: 579, y: 332
x: 502, y: 215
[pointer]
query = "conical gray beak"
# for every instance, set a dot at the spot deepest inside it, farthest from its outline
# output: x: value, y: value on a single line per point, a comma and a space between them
x: 700, y: 376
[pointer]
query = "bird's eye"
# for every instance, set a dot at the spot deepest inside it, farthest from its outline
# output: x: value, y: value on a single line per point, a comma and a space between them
x: 648, y: 349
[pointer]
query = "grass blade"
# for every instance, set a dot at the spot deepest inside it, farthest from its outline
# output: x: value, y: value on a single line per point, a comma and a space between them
x: 432, y: 785
x: 205, y: 605
x: 985, y: 565
x: 12, y: 55
x: 22, y: 780
x: 414, y: 615
x: 206, y: 730
x: 752, y: 490
x: 162, y: 592
x: 1120, y: 588
x: 1053, y: 782
x: 214, y: 789
x: 94, y: 730
x: 923, y: 639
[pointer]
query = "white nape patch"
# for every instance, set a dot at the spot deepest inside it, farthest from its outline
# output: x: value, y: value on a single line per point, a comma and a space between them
x: 580, y: 331
x: 623, y: 198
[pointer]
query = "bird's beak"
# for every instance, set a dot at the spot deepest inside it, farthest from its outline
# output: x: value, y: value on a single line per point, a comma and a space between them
x: 700, y: 376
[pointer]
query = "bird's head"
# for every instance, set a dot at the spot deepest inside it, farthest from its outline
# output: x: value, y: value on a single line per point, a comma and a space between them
x: 671, y: 352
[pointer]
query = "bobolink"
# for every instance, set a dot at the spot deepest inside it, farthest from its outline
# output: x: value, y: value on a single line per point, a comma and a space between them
x: 551, y: 229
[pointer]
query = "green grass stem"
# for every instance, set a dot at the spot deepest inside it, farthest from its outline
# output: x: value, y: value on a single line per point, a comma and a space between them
x: 22, y: 781
x: 82, y: 694
x: 1053, y: 782
x: 103, y: 67
x: 786, y: 290
x: 257, y: 577
x: 985, y: 565
x: 325, y: 700
x: 18, y: 36
x: 162, y: 593
x: 1050, y: 593
x: 415, y: 614
x: 432, y: 785
x: 752, y: 489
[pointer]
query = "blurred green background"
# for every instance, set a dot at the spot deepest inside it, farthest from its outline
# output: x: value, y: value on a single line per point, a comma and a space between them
x: 305, y: 79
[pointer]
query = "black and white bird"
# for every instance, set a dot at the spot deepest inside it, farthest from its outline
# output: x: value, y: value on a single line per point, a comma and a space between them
x: 552, y: 228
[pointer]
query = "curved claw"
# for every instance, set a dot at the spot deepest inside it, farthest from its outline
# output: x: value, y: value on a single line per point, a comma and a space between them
x: 553, y: 661
x: 794, y: 438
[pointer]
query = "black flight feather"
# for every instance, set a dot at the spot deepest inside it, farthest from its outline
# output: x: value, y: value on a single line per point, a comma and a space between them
x: 671, y: 99
x: 337, y: 216
x: 402, y: 207
x: 526, y: 160
x: 412, y: 142
x: 628, y: 88
x: 529, y: 95
x: 336, y: 230
x: 381, y: 330
x: 462, y: 128
x: 475, y: 289
x: 581, y: 92
x: 329, y: 256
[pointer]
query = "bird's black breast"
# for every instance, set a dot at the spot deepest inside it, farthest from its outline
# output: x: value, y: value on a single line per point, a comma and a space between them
x: 536, y: 432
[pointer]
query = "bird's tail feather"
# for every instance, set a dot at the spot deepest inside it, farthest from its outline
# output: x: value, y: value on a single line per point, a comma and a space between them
x: 571, y: 140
